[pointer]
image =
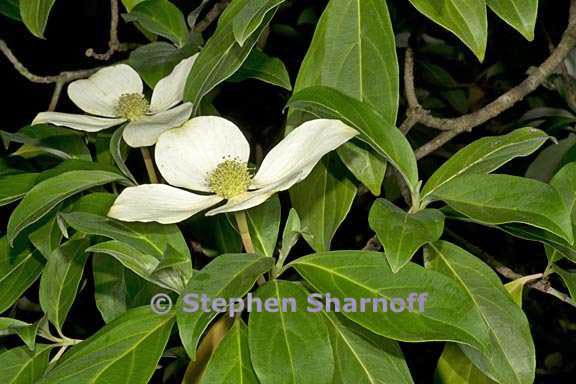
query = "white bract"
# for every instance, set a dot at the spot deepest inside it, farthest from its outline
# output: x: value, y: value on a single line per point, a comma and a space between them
x: 114, y: 95
x: 210, y: 154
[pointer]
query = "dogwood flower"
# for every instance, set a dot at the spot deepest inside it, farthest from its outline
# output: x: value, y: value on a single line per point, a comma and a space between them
x: 114, y: 95
x: 210, y: 154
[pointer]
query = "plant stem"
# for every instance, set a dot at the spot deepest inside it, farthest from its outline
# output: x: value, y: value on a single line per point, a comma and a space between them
x: 149, y: 165
x: 244, y: 231
x: 242, y: 222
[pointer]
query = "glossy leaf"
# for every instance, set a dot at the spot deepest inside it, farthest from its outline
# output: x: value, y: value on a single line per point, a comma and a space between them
x: 34, y: 14
x: 231, y: 361
x: 379, y: 133
x: 511, y: 355
x: 500, y: 199
x: 264, y: 225
x: 11, y: 9
x: 142, y: 264
x: 222, y: 56
x: 47, y: 194
x: 20, y: 266
x: 13, y: 187
x: 568, y: 278
x: 162, y: 18
x: 150, y: 238
x: 290, y: 235
x: 363, y: 65
x: 61, y: 279
x: 262, y: 67
x: 363, y: 357
x: 156, y: 60
x: 227, y: 276
x: 465, y: 18
x: 252, y: 15
x: 520, y: 14
x: 365, y: 165
x: 486, y: 155
x: 117, y: 150
x: 22, y: 366
x: 447, y: 314
x: 455, y: 368
x: 323, y: 201
x: 402, y: 233
x: 290, y: 345
x: 132, y: 344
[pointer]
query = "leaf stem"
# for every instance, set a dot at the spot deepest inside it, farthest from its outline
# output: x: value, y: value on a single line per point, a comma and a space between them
x: 147, y: 156
x: 242, y: 222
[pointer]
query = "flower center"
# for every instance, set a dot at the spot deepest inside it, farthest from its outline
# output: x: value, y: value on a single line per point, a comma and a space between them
x: 132, y: 106
x: 230, y: 178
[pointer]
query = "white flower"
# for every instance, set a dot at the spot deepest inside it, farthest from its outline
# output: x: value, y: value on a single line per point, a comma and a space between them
x: 114, y: 95
x: 210, y: 154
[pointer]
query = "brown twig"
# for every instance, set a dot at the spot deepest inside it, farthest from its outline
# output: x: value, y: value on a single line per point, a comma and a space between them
x: 58, y: 80
x: 455, y: 126
x: 542, y: 285
x: 211, y: 16
x: 114, y: 44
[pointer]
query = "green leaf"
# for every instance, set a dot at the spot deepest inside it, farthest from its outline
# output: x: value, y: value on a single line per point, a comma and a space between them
x: 262, y: 67
x: 290, y: 236
x: 47, y: 236
x: 300, y: 351
x: 142, y: 264
x: 11, y: 9
x: 465, y: 18
x: 132, y: 345
x: 222, y: 56
x: 363, y: 357
x: 129, y: 4
x: 515, y: 288
x: 61, y: 279
x: 511, y: 356
x: 231, y: 361
x: 251, y: 17
x: 365, y: 165
x: 227, y: 276
x: 550, y: 159
x: 500, y: 199
x: 49, y: 193
x: 264, y: 225
x: 162, y: 18
x: 117, y: 149
x: 378, y: 132
x: 486, y: 155
x: 150, y: 238
x: 402, y: 233
x: 568, y: 278
x: 323, y: 201
x: 455, y: 368
x: 20, y: 266
x: 520, y: 14
x: 13, y: 187
x: 447, y: 315
x: 363, y: 64
x: 22, y: 366
x: 117, y: 289
x: 35, y: 14
x: 156, y: 60
x: 47, y: 139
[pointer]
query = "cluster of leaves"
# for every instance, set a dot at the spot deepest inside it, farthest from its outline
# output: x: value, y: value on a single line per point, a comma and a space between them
x: 61, y: 184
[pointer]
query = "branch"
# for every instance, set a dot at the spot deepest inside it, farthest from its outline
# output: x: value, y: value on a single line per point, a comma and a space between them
x: 211, y: 16
x: 59, y: 80
x: 456, y: 126
x: 114, y: 44
x: 542, y: 284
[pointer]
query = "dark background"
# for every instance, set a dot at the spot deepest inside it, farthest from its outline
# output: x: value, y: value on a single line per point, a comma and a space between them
x: 76, y: 25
